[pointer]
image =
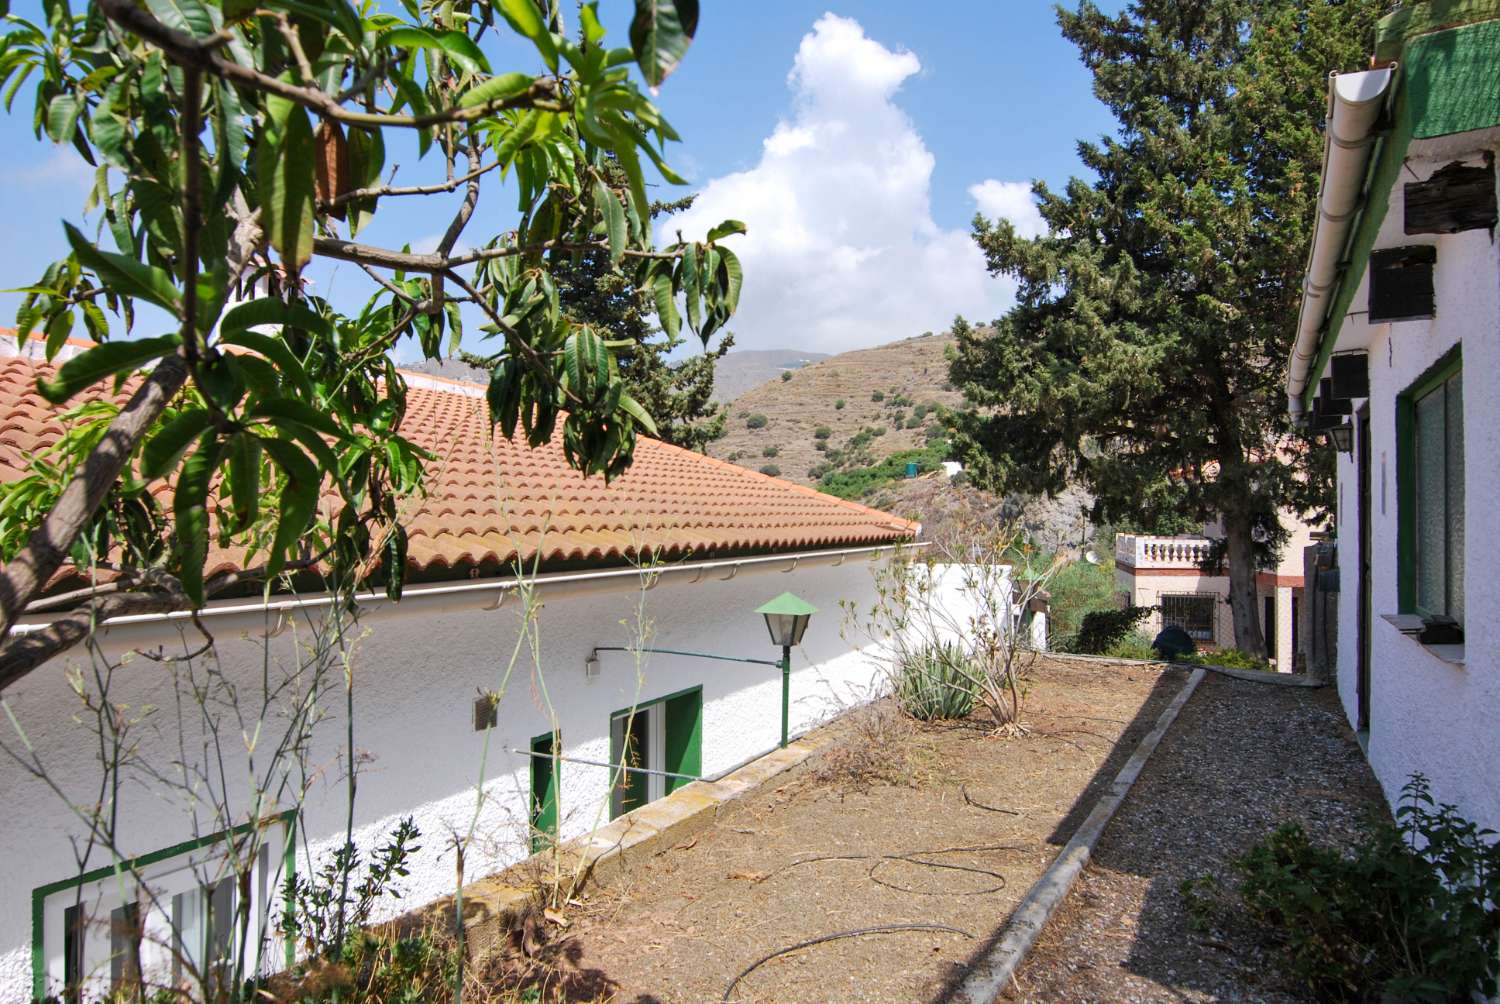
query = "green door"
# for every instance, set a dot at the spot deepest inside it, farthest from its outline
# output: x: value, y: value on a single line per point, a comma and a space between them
x: 684, y: 737
x: 543, y: 792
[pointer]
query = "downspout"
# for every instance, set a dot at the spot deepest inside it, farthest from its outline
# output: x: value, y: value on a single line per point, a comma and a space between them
x: 1355, y: 102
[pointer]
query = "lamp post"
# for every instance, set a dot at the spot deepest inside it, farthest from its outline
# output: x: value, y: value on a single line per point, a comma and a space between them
x: 786, y: 618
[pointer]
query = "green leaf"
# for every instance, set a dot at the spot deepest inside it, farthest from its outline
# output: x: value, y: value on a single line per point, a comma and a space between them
x: 690, y: 290
x: 188, y: 16
x: 277, y: 351
x: 496, y: 89
x: 125, y: 275
x: 395, y: 562
x: 660, y: 33
x: 457, y: 46
x: 244, y: 478
x: 58, y: 330
x: 735, y: 275
x: 588, y: 18
x: 725, y: 229
x: 614, y: 219
x: 271, y: 310
x: 285, y: 168
x: 298, y: 500
x: 633, y: 408
x: 515, y: 137
x: 101, y: 361
x: 525, y: 18
x: 163, y: 450
x: 62, y: 116
x: 297, y: 411
x: 190, y: 511
x: 666, y: 306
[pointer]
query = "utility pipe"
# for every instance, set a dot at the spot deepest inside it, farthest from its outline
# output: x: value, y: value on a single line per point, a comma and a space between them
x: 1355, y: 101
x: 506, y: 584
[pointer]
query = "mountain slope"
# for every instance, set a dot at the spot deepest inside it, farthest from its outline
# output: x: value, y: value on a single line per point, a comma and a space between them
x: 889, y: 394
x: 741, y: 370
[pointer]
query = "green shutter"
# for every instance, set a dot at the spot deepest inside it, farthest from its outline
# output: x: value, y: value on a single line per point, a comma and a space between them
x: 544, y: 769
x: 684, y: 738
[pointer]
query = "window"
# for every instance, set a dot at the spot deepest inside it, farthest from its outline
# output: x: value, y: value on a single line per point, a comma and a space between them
x: 1193, y: 612
x: 1431, y: 458
x: 166, y: 919
x: 660, y: 738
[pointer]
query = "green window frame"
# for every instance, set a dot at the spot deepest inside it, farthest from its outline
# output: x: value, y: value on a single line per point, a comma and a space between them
x: 546, y: 775
x: 681, y: 718
x: 71, y: 934
x: 1430, y: 491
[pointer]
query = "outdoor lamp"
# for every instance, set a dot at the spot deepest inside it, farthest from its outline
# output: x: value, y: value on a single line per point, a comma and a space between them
x: 1342, y: 437
x: 786, y: 618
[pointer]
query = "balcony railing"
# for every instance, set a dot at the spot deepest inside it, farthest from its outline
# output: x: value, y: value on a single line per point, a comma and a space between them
x: 1161, y: 552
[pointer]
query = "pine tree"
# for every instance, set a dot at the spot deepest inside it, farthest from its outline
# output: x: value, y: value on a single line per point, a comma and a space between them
x: 1146, y: 353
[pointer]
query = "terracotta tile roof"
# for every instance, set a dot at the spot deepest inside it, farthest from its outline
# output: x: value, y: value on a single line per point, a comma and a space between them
x: 491, y: 501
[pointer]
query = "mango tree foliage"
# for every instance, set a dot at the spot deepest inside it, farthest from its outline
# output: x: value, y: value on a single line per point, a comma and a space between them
x: 233, y: 143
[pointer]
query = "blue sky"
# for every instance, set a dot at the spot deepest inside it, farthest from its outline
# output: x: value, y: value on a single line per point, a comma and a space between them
x: 856, y: 141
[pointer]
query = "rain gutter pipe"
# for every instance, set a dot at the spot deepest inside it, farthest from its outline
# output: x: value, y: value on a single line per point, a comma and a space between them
x: 495, y: 589
x: 1355, y: 104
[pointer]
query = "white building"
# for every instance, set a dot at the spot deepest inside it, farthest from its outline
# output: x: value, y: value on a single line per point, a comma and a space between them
x: 1168, y: 573
x: 426, y: 672
x: 1396, y: 358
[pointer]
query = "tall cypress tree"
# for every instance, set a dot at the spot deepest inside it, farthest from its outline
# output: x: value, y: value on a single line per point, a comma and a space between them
x: 1146, y: 353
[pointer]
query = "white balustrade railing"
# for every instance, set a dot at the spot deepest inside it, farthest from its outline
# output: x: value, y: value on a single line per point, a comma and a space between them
x: 1161, y: 552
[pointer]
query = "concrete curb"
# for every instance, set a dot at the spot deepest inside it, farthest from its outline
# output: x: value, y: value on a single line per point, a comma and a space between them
x: 492, y: 904
x: 1251, y: 675
x: 994, y: 972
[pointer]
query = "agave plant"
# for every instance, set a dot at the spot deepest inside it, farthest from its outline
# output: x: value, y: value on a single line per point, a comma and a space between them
x: 935, y: 683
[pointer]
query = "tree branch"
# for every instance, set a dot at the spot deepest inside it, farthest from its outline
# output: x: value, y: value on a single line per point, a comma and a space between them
x: 187, y: 50
x: 405, y: 261
x: 28, y: 573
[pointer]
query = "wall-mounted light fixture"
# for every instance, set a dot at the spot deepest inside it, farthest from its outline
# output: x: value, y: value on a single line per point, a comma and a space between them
x: 591, y: 665
x: 1342, y: 437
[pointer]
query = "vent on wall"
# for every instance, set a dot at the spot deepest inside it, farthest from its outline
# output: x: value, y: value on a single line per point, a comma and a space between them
x: 1401, y: 283
x: 1455, y: 198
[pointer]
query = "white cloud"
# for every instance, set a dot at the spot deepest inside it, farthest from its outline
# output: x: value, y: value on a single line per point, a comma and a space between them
x: 62, y: 168
x: 842, y: 249
x: 1009, y: 200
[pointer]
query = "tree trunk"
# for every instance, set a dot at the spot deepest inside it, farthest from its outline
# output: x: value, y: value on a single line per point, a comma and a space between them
x: 1242, y: 595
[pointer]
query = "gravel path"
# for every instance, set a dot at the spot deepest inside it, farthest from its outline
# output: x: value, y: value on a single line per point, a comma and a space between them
x: 1241, y: 759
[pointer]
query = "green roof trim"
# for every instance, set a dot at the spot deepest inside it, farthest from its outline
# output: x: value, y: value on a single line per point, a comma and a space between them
x: 1448, y: 82
x: 1414, y: 19
x: 789, y: 604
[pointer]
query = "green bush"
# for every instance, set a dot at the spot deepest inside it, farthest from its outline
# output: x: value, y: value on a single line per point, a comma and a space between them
x: 1077, y: 588
x: 838, y: 405
x: 1413, y: 914
x: 915, y: 422
x: 1102, y: 629
x: 756, y: 421
x: 878, y: 430
x: 821, y: 445
x: 859, y: 482
x: 932, y: 684
x: 770, y: 451
x: 878, y: 395
x: 898, y: 419
x: 771, y: 469
x: 1133, y: 646
x: 786, y: 375
x: 934, y: 432
x: 822, y: 432
x: 1230, y: 658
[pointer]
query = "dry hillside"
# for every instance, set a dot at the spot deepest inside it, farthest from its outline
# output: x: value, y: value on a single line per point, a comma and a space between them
x: 906, y: 377
x: 741, y: 369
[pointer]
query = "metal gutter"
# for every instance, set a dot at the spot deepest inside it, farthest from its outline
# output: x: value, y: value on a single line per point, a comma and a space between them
x: 495, y: 589
x: 1355, y: 104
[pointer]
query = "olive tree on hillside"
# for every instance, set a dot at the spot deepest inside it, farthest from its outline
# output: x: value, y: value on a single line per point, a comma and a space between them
x: 1145, y: 355
x: 236, y: 142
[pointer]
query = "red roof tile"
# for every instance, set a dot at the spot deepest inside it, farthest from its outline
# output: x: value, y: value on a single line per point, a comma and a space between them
x: 491, y: 501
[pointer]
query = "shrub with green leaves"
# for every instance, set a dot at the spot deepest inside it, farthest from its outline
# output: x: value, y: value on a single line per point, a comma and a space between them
x: 933, y: 683
x: 756, y: 421
x: 822, y: 432
x: 770, y: 451
x: 1229, y: 658
x: 771, y: 469
x: 878, y: 395
x: 1102, y: 629
x: 838, y: 405
x: 1412, y: 914
x: 1133, y: 646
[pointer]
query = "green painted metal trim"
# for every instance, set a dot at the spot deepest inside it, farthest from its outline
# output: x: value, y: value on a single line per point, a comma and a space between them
x: 40, y: 893
x: 684, y: 737
x: 544, y: 823
x: 636, y: 782
x: 1415, y: 19
x: 789, y: 604
x: 1406, y: 473
x: 694, y: 655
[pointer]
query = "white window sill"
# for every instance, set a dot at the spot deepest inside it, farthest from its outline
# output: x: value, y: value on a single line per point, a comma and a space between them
x: 1410, y: 625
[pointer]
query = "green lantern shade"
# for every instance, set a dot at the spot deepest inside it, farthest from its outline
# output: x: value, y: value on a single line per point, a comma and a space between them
x: 786, y: 618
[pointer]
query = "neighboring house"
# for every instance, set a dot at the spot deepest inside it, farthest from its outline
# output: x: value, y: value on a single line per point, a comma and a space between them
x: 1167, y: 572
x: 1396, y: 357
x: 729, y: 539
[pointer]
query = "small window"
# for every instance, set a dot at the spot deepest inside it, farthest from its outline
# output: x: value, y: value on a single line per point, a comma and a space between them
x: 1432, y: 494
x: 166, y: 919
x: 1194, y: 613
x: 1401, y: 283
x: 658, y: 748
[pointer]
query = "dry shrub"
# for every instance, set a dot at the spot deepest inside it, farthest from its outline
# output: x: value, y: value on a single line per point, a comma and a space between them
x: 879, y: 746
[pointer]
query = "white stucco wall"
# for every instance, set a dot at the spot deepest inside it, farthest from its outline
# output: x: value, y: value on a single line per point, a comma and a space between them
x: 417, y: 670
x: 1429, y: 715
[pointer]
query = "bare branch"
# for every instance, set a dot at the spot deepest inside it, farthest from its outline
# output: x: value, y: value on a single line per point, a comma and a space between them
x: 382, y: 191
x: 332, y: 247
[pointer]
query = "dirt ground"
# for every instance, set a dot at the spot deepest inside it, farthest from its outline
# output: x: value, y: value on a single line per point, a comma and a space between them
x: 954, y: 833
x: 1241, y: 759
